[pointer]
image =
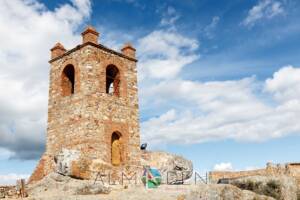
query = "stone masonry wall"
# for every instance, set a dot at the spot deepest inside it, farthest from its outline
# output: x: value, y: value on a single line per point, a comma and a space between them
x: 7, y: 192
x: 289, y: 169
x: 215, y: 176
x: 86, y: 120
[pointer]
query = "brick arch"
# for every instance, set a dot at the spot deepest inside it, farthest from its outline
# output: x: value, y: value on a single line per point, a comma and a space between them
x: 68, y: 80
x: 76, y: 84
x: 112, y: 82
x: 120, y: 66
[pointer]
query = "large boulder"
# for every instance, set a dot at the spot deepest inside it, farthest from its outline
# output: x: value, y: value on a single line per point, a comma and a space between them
x: 173, y: 168
x: 72, y: 163
x: 278, y: 187
x: 64, y: 161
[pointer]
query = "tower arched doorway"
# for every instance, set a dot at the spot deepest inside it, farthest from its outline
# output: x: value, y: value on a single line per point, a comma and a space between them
x: 116, y: 149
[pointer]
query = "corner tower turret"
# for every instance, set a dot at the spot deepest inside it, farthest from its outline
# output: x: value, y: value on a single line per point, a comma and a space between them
x: 90, y: 35
x: 57, y: 50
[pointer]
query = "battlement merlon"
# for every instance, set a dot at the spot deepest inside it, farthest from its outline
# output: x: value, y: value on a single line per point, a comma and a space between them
x: 90, y: 37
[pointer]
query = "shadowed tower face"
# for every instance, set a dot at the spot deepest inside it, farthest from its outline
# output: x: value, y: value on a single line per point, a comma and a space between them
x: 93, y: 104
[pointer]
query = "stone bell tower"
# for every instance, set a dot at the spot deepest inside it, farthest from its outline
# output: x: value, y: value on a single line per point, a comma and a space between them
x: 93, y: 104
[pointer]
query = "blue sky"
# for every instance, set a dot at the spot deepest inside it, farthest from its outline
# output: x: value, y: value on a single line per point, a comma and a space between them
x: 218, y: 80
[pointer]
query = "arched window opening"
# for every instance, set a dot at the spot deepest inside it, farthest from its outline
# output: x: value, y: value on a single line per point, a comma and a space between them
x: 116, y: 149
x: 112, y: 80
x: 68, y: 80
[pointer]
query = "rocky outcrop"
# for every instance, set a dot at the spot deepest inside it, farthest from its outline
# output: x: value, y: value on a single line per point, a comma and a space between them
x: 279, y: 187
x: 223, y: 192
x: 174, y: 169
x: 57, y: 184
x: 165, y: 192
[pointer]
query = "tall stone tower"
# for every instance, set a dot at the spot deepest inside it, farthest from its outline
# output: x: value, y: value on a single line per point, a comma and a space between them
x: 93, y: 104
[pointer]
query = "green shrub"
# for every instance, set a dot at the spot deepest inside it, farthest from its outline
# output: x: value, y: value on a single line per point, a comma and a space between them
x: 248, y: 185
x: 298, y: 194
x: 272, y: 189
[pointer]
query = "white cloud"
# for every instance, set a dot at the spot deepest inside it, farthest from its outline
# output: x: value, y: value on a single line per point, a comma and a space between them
x: 11, y: 179
x: 163, y: 53
x: 285, y: 84
x: 224, y: 109
x: 114, y: 39
x: 251, y: 168
x: 195, y: 112
x: 27, y: 31
x: 170, y: 16
x: 226, y: 166
x: 265, y: 9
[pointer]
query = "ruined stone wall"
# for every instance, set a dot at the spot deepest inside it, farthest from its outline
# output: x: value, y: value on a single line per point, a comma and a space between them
x: 289, y: 169
x: 45, y: 166
x: 294, y: 171
x: 215, y: 176
x: 7, y: 191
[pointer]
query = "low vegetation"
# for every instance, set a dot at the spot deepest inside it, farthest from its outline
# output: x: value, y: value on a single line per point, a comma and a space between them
x: 271, y: 188
x: 298, y: 194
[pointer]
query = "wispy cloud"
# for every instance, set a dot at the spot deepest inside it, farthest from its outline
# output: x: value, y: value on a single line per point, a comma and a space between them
x: 225, y: 166
x: 265, y: 9
x: 209, y: 30
x: 135, y: 3
x: 170, y: 16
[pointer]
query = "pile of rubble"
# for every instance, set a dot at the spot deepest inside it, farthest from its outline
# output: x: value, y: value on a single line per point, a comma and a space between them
x: 13, y: 191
